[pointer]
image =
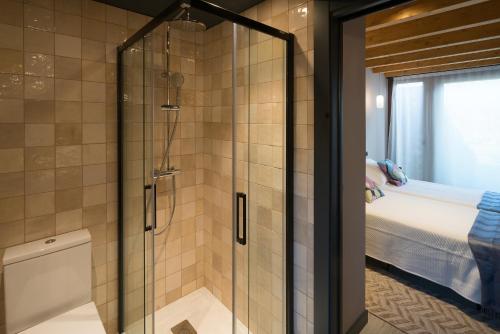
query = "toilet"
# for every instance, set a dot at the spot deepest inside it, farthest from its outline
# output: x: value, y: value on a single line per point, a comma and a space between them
x: 48, y: 286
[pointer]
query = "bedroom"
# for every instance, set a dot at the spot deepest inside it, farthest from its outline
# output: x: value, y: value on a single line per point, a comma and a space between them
x: 432, y: 118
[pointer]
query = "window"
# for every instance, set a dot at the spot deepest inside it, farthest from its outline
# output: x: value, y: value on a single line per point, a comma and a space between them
x: 446, y: 128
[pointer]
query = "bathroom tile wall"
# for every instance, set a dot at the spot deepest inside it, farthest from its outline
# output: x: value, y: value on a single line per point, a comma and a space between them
x: 296, y: 16
x: 58, y: 129
x: 58, y: 143
x: 216, y: 114
x: 178, y: 250
x: 264, y: 106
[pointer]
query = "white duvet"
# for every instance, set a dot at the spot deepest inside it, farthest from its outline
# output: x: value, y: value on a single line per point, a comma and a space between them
x: 440, y: 192
x: 424, y: 236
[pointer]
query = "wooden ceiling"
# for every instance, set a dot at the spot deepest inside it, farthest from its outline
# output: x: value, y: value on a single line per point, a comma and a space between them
x: 425, y: 36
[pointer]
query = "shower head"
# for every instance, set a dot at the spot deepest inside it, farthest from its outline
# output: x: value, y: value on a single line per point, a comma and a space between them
x: 186, y: 23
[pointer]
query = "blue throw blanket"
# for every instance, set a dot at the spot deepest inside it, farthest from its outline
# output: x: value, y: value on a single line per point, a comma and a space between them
x: 490, y: 202
x: 484, y: 241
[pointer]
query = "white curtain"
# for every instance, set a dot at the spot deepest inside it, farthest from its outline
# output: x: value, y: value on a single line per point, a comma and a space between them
x: 445, y: 127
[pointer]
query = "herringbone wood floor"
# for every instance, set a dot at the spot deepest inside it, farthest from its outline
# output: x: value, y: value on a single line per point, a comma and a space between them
x: 418, y: 310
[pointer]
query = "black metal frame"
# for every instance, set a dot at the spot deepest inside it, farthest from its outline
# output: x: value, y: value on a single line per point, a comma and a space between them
x: 328, y: 257
x: 289, y: 154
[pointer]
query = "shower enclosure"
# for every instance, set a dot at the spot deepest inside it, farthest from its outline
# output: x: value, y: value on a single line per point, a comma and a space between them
x: 205, y: 174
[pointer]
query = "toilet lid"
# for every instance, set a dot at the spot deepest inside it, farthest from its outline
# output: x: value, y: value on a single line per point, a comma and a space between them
x: 81, y: 320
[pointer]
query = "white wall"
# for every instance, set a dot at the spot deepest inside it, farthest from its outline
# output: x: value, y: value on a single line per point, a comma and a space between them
x: 353, y: 176
x: 376, y: 119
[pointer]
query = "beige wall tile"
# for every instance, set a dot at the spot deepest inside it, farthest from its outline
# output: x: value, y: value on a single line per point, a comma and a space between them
x: 94, y: 133
x: 94, y: 195
x: 68, y: 199
x: 38, y: 18
x: 93, y: 71
x: 11, y: 209
x: 11, y: 37
x: 39, y: 88
x: 68, y: 90
x: 68, y: 134
x: 38, y: 41
x: 68, y: 177
x: 11, y: 184
x: 49, y: 4
x: 67, y: 156
x: 11, y: 135
x: 40, y: 204
x: 12, y: 13
x: 11, y: 61
x: 68, y: 68
x: 68, y: 221
x: 39, y: 134
x: 93, y: 10
x: 68, y: 112
x: 116, y: 15
x: 40, y: 181
x: 11, y: 86
x: 39, y: 158
x: 115, y: 33
x: 38, y: 64
x: 68, y: 24
x: 11, y: 110
x: 94, y: 154
x: 68, y: 46
x: 94, y: 112
x: 94, y: 30
x: 11, y: 233
x: 93, y: 50
x: 39, y: 227
x: 11, y: 160
x: 93, y: 92
x: 69, y: 6
x: 94, y: 215
x: 94, y: 174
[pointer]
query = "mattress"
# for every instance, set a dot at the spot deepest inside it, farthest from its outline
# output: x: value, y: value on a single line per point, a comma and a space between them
x: 441, y: 192
x: 425, y: 237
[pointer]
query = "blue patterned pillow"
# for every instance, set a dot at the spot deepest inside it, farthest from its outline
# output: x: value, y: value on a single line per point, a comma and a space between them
x: 394, y: 173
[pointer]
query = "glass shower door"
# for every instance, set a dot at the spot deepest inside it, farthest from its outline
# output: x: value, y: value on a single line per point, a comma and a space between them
x: 136, y: 193
x: 259, y: 119
x: 241, y: 118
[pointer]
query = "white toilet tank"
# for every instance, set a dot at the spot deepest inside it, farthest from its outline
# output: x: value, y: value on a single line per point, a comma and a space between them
x: 45, y: 278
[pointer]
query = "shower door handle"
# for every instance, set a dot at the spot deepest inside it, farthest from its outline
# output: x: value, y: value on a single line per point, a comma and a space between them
x: 151, y: 187
x: 241, y: 238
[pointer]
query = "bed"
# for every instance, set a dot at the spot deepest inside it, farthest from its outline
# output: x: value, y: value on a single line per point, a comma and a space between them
x: 422, y: 228
x: 440, y: 192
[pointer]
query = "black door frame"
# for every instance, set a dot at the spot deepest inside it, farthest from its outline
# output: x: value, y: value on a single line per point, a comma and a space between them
x: 328, y: 20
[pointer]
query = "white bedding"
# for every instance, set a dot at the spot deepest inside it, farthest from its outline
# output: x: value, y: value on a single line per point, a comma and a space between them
x: 425, y: 237
x: 441, y: 192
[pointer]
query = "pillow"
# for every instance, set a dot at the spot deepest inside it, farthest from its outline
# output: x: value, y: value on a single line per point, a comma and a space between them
x: 372, y: 191
x: 394, y: 173
x: 374, y: 173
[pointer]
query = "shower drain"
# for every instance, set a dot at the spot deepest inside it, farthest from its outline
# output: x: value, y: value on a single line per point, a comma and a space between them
x: 183, y: 327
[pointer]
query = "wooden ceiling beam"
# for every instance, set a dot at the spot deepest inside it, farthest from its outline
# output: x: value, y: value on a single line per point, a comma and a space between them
x: 439, y: 61
x: 407, y: 11
x: 469, y: 16
x: 460, y: 49
x: 466, y: 35
x: 444, y: 68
